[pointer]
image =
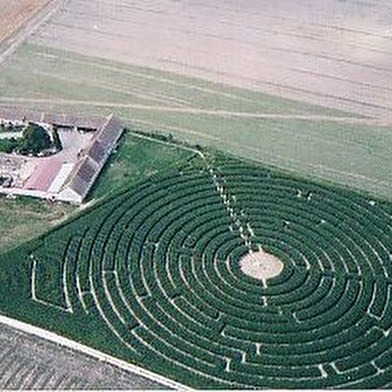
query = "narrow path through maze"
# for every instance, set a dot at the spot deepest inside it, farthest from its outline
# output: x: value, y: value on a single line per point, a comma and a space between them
x: 238, y: 217
x: 160, y: 266
x: 257, y: 263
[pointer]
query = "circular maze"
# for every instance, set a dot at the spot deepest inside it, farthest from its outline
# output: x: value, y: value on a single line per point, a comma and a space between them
x: 160, y: 266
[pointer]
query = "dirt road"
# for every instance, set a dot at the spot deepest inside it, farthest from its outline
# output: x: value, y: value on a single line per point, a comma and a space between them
x: 19, y: 29
x: 223, y: 113
x: 15, y: 13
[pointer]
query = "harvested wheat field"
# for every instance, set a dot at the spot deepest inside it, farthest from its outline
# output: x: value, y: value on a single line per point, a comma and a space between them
x: 333, y: 53
x: 28, y: 362
x: 15, y: 13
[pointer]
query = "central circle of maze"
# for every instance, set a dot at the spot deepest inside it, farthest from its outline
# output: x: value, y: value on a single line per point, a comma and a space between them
x: 160, y: 266
x: 260, y: 265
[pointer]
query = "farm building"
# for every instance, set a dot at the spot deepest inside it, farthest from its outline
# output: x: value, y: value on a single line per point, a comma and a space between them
x: 69, y: 174
x: 86, y: 171
x: 66, y: 121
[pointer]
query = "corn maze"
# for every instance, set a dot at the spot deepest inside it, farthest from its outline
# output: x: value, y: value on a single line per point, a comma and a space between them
x: 158, y: 265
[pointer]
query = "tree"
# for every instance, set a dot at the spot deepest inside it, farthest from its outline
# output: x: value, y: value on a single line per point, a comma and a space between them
x: 35, y: 139
x: 8, y: 145
x: 57, y: 140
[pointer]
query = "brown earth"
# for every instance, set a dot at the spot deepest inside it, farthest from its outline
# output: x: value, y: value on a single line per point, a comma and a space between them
x: 15, y: 13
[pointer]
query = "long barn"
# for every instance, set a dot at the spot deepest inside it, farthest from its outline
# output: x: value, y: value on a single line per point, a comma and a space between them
x: 86, y: 171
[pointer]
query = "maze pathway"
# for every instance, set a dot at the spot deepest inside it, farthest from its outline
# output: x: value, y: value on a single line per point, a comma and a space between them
x: 159, y: 266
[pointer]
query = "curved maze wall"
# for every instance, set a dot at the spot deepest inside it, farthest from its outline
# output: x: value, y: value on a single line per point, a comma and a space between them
x: 160, y: 267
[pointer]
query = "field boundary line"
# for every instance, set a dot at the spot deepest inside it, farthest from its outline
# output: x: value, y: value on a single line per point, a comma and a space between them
x: 312, y: 165
x: 375, y: 121
x: 40, y: 17
x: 171, y: 128
x: 182, y: 147
x: 144, y: 75
x: 104, y: 86
x: 65, y: 342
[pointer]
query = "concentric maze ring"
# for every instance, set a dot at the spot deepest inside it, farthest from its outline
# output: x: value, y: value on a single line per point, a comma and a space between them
x: 160, y: 266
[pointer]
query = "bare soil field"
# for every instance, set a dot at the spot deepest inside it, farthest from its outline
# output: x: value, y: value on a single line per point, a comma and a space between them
x: 30, y: 363
x: 15, y: 13
x: 333, y: 53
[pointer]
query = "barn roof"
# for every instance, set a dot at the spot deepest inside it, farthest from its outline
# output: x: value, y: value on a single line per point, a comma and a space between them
x: 86, y: 171
x: 76, y: 180
x: 58, y: 119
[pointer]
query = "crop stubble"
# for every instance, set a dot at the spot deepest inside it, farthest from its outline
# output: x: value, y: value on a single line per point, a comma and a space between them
x: 29, y: 362
x: 332, y: 53
x: 15, y: 13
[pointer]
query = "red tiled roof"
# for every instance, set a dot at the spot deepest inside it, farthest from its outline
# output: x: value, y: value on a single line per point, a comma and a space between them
x: 43, y: 175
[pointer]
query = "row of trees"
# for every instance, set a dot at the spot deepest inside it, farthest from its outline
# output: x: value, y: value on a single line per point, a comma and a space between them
x: 35, y: 140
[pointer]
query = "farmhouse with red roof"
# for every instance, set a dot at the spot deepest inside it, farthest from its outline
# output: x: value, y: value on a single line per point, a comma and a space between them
x: 68, y: 175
